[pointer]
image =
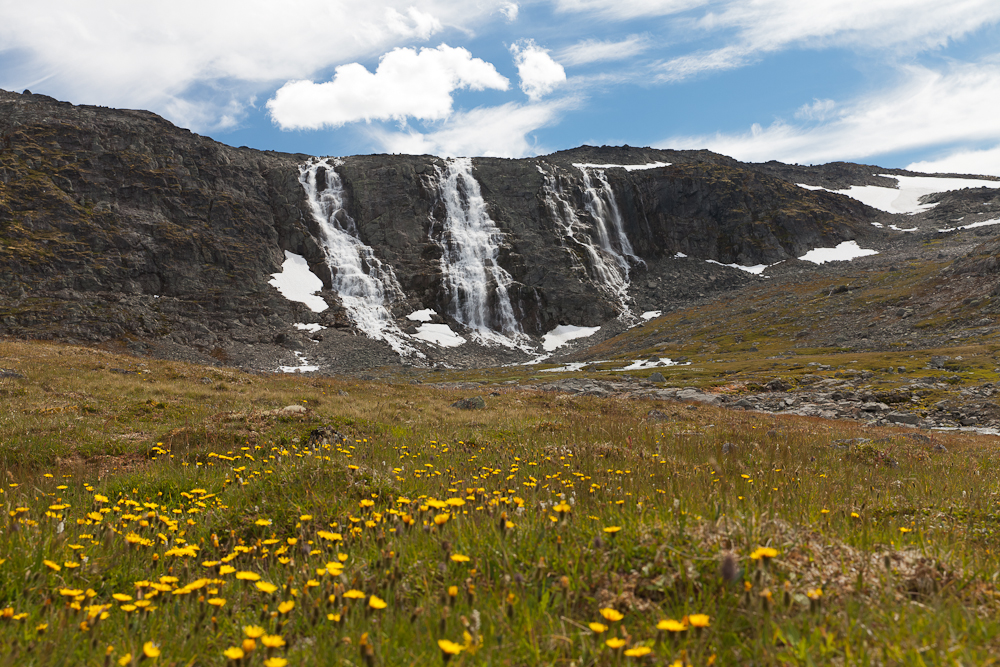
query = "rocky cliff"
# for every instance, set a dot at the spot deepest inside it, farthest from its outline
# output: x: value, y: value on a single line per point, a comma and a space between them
x: 116, y: 226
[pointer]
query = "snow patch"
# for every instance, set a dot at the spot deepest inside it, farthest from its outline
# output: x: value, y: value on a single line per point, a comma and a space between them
x: 646, y: 363
x: 844, y: 252
x: 425, y: 315
x: 984, y: 223
x: 906, y: 198
x: 626, y: 167
x: 303, y: 367
x: 651, y: 315
x: 312, y: 328
x: 757, y: 269
x: 439, y: 334
x: 297, y: 283
x: 680, y: 255
x: 563, y: 334
x: 568, y: 368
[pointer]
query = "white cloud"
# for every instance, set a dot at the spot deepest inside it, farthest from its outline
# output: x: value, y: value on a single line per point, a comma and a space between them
x: 818, y: 110
x: 593, y: 50
x: 539, y: 73
x: 407, y: 83
x: 624, y: 10
x: 986, y: 162
x: 509, y: 10
x: 753, y: 29
x: 501, y: 131
x: 929, y: 108
x: 164, y: 55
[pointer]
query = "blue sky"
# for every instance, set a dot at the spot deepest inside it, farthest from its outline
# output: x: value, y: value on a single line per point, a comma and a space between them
x: 891, y: 82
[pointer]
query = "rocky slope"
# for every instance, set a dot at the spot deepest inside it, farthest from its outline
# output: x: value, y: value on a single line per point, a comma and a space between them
x: 118, y: 228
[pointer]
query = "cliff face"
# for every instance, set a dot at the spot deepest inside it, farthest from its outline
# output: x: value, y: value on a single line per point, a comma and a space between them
x: 117, y: 225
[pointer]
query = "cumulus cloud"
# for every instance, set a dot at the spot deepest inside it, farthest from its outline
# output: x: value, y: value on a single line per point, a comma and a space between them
x: 593, y: 50
x: 929, y: 108
x: 539, y: 73
x: 500, y: 131
x: 766, y: 26
x: 986, y: 162
x: 163, y: 56
x: 407, y: 83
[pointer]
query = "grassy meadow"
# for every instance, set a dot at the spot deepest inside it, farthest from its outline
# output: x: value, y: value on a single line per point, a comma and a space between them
x: 163, y: 513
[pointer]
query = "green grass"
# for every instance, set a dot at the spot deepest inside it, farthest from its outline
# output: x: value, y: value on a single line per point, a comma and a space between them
x: 898, y: 536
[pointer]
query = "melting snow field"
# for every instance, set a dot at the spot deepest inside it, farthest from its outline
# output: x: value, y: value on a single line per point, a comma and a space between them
x: 439, y: 334
x: 651, y: 314
x: 425, y: 315
x: 626, y: 167
x: 297, y: 283
x: 563, y: 334
x: 646, y: 363
x: 844, y: 252
x: 757, y: 269
x: 312, y: 328
x: 568, y: 368
x: 906, y: 199
x: 983, y: 223
x: 304, y: 366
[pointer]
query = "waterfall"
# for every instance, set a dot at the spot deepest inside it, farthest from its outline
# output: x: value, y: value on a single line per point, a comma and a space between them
x: 608, y: 260
x: 360, y: 279
x: 470, y: 242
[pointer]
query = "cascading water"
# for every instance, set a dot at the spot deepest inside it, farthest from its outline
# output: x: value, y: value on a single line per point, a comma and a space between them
x: 470, y: 243
x: 363, y: 283
x: 608, y: 261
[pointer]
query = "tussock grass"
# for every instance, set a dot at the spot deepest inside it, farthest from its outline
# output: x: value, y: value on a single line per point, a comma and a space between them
x: 545, y: 529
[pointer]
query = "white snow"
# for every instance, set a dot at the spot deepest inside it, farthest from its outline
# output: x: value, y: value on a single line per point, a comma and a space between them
x: 983, y: 223
x: 297, y: 283
x: 906, y: 198
x: 312, y: 328
x: 680, y: 255
x: 626, y: 167
x: 425, y: 315
x: 756, y: 269
x: 844, y: 252
x: 651, y: 314
x: 568, y: 368
x: 563, y: 334
x: 304, y: 367
x: 439, y: 334
x: 645, y: 363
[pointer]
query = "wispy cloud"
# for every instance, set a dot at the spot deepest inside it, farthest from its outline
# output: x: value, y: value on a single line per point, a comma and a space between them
x: 962, y: 161
x: 623, y: 10
x: 501, y: 131
x: 929, y: 108
x: 539, y: 73
x: 754, y: 29
x: 594, y: 50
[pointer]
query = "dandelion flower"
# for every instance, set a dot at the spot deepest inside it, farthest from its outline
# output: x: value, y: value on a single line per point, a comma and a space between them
x: 150, y: 650
x: 597, y: 628
x: 612, y: 529
x: 449, y: 647
x: 354, y: 594
x: 615, y: 642
x: 125, y: 659
x: 253, y: 631
x: 638, y: 651
x: 286, y: 606
x: 611, y: 614
x: 459, y: 558
x: 216, y: 602
x: 275, y: 662
x: 376, y: 602
x: 763, y: 553
x: 272, y: 641
x: 670, y: 625
x: 233, y: 653
x: 699, y: 620
x: 266, y: 587
x: 248, y: 576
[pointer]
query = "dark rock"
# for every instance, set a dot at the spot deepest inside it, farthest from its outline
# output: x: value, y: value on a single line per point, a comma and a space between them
x: 10, y: 373
x: 728, y: 447
x: 474, y: 403
x: 656, y: 377
x: 778, y: 385
x: 903, y: 418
